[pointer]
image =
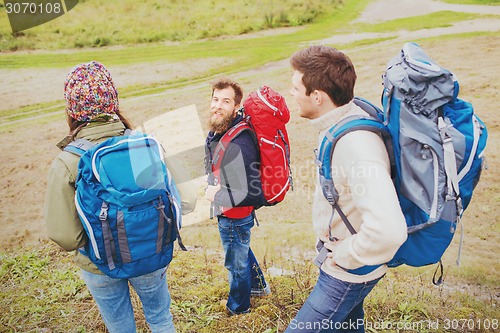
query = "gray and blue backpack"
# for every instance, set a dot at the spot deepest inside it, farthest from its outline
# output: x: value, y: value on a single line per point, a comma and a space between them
x: 436, y: 146
x: 128, y: 204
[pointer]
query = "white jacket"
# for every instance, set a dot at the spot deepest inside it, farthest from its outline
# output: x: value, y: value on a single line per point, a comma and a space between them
x: 361, y: 174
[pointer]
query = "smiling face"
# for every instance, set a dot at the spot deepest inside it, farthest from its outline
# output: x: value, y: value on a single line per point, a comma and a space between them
x: 222, y: 109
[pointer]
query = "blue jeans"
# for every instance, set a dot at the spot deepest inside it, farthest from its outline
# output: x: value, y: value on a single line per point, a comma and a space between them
x: 333, y: 306
x: 244, y: 270
x: 113, y: 300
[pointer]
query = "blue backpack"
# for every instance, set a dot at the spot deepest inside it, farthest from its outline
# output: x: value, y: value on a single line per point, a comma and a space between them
x: 435, y: 144
x: 128, y: 204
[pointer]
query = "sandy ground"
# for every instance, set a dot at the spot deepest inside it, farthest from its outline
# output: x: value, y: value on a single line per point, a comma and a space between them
x: 28, y: 86
x: 27, y: 152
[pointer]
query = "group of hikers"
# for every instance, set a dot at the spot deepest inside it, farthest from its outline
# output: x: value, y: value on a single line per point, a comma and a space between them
x: 322, y: 86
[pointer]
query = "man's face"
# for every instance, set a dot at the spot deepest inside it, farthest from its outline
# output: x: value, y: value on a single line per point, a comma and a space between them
x: 223, y: 109
x: 298, y: 92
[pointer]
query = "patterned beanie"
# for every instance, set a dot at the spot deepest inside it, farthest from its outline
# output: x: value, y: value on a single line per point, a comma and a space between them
x: 90, y: 93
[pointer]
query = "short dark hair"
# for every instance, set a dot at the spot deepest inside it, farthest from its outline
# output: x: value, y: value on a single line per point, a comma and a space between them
x: 326, y: 69
x: 223, y: 83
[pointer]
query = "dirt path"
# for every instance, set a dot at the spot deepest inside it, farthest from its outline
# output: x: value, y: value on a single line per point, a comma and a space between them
x: 27, y: 86
x: 385, y: 10
x: 26, y: 154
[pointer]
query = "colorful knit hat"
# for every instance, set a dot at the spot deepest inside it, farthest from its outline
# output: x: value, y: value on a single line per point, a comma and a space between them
x: 90, y: 93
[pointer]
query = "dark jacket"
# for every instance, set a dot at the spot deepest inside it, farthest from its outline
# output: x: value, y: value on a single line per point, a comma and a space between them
x: 240, y: 170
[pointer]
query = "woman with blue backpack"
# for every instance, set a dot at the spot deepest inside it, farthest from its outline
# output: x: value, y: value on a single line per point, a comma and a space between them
x: 94, y: 117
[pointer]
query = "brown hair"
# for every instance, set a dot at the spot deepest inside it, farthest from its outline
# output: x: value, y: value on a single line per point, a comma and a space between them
x: 326, y: 69
x: 223, y: 83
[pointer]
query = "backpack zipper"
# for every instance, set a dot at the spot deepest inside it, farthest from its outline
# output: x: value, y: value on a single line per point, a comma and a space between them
x: 144, y: 138
x: 89, y: 229
x: 285, y: 164
x: 476, y: 132
x: 263, y: 99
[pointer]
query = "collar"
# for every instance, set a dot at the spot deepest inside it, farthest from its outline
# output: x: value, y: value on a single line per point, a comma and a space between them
x: 95, y: 131
x: 332, y: 117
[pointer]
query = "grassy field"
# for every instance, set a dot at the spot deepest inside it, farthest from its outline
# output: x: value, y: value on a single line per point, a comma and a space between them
x: 98, y: 24
x: 40, y: 290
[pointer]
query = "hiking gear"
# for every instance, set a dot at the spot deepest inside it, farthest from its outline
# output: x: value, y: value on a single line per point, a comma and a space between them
x: 438, y: 144
x: 267, y: 114
x: 435, y: 143
x: 90, y: 93
x: 234, y: 211
x: 63, y: 225
x: 128, y: 204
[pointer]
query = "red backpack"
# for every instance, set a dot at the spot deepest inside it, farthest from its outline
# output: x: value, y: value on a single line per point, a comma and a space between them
x: 265, y: 114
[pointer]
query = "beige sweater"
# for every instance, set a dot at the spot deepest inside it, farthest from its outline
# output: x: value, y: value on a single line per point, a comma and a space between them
x: 361, y: 174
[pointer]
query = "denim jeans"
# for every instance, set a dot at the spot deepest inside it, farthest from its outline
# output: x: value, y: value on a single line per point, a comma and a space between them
x: 113, y: 300
x: 244, y: 270
x: 333, y: 306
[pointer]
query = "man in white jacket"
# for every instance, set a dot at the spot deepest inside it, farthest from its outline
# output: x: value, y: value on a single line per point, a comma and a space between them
x: 323, y: 86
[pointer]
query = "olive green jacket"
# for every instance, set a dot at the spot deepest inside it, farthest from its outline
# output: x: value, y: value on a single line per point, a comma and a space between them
x: 62, y: 222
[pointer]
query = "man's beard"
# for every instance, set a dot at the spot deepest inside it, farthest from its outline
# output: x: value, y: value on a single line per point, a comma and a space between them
x: 220, y: 125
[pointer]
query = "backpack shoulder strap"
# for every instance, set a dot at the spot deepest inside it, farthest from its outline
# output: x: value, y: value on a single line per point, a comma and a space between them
x: 325, y: 153
x: 332, y: 136
x: 225, y: 140
x: 79, y: 146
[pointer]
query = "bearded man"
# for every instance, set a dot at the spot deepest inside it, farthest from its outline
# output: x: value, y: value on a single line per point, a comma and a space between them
x: 235, y: 191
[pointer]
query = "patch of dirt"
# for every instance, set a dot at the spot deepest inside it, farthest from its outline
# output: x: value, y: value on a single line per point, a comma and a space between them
x: 30, y: 86
x: 28, y: 150
x: 386, y: 10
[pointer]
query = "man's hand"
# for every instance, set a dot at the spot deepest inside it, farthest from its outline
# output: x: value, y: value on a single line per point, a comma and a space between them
x: 211, y: 191
x: 330, y: 255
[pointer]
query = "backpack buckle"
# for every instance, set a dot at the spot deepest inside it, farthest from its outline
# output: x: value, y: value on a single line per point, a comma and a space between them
x: 160, y: 205
x: 103, y: 215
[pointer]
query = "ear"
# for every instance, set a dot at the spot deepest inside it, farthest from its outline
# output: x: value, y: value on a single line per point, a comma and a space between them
x: 237, y: 107
x: 322, y: 100
x: 316, y: 97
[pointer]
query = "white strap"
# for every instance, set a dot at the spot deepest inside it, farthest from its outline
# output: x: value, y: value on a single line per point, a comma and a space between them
x: 263, y: 99
x: 91, y: 235
x: 476, y: 133
x: 459, y: 255
x: 450, y: 162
